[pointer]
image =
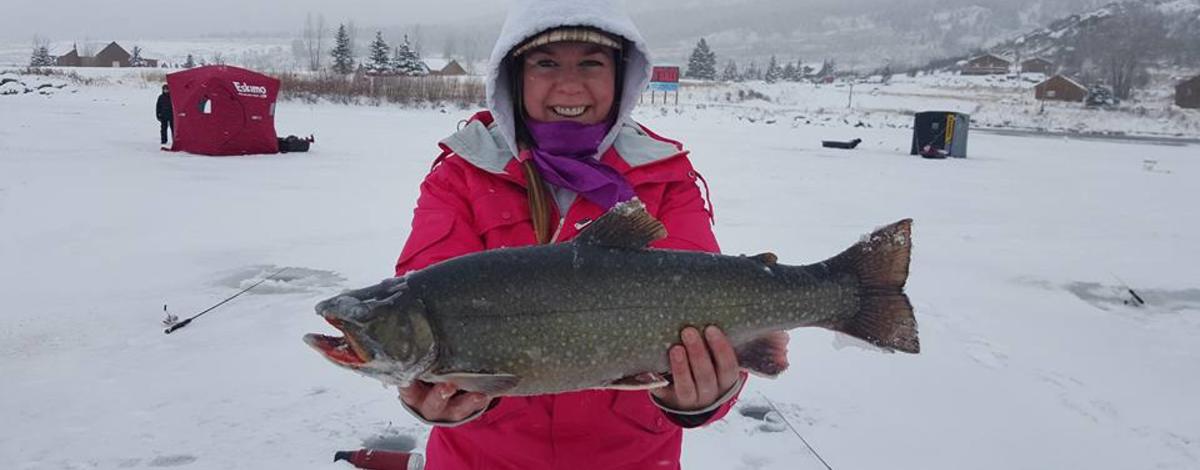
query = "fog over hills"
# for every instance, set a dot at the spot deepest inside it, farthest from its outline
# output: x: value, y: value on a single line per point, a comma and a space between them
x: 858, y: 34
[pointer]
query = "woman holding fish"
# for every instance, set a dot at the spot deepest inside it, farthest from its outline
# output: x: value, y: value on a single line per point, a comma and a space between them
x: 555, y: 150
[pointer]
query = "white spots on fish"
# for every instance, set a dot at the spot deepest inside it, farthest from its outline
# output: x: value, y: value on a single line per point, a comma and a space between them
x: 533, y: 352
x: 677, y: 278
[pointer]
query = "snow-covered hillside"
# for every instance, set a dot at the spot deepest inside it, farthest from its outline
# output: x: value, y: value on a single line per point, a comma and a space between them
x: 1029, y: 357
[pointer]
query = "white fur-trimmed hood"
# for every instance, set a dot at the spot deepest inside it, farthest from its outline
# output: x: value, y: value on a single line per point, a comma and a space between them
x: 527, y: 18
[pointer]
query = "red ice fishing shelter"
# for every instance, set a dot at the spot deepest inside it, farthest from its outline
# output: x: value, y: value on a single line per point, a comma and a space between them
x: 223, y: 110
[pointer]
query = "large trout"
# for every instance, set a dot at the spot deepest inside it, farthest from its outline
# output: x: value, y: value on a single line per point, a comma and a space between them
x: 602, y: 310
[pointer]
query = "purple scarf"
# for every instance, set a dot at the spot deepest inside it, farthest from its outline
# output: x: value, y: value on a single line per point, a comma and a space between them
x: 563, y: 154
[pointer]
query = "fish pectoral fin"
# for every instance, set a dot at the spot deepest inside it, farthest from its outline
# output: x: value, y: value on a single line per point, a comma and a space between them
x: 642, y: 381
x: 765, y: 356
x: 488, y: 384
x: 626, y: 225
x: 767, y: 258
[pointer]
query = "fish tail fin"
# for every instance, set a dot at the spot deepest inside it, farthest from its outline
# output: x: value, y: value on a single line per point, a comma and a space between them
x: 880, y: 262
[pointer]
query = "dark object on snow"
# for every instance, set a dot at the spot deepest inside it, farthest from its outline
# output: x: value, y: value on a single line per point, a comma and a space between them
x: 940, y: 134
x: 292, y: 143
x: 1136, y: 300
x: 370, y: 459
x: 835, y: 144
x: 165, y: 115
x: 933, y: 153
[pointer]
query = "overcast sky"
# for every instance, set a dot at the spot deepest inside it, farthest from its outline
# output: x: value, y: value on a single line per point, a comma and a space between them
x: 170, y: 19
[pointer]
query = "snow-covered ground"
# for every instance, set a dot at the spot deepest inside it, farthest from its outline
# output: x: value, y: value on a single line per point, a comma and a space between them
x: 995, y: 102
x: 1030, y: 359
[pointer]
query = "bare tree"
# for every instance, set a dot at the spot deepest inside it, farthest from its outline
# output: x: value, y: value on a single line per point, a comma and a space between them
x: 450, y: 48
x: 314, y: 40
x: 1121, y: 49
x: 352, y: 32
x: 87, y: 48
x: 415, y: 40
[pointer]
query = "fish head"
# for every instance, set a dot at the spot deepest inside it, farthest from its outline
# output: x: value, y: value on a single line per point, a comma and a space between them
x: 386, y: 333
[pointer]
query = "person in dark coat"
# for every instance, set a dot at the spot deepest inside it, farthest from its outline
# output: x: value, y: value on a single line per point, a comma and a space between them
x: 166, y: 116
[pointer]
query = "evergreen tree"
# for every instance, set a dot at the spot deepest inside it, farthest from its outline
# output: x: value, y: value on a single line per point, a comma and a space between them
x: 790, y: 73
x: 752, y: 72
x: 380, y: 62
x: 407, y: 62
x: 343, y: 56
x: 190, y: 63
x: 41, y: 57
x: 774, y: 73
x: 806, y: 71
x: 800, y: 73
x: 731, y: 73
x: 135, y: 58
x: 703, y: 63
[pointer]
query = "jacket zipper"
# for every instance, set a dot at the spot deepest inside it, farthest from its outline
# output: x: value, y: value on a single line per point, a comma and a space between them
x: 558, y: 231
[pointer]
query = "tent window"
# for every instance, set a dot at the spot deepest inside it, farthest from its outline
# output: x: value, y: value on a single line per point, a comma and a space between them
x: 272, y: 111
x: 205, y: 106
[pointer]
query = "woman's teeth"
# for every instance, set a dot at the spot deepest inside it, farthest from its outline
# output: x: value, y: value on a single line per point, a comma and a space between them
x: 569, y: 112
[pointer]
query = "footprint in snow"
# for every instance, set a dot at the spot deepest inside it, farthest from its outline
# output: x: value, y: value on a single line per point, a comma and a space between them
x: 292, y: 280
x: 394, y: 442
x: 172, y: 460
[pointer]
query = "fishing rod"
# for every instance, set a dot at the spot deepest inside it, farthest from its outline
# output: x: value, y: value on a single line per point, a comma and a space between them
x: 184, y: 323
x: 794, y: 431
x: 1137, y: 299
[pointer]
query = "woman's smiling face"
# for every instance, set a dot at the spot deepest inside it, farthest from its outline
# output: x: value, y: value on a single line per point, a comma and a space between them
x: 569, y: 81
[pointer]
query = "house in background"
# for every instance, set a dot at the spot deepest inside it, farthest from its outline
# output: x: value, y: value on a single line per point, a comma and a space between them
x: 70, y: 59
x: 113, y: 55
x: 1187, y: 93
x: 987, y: 64
x: 1061, y: 88
x: 1038, y: 65
x: 444, y: 67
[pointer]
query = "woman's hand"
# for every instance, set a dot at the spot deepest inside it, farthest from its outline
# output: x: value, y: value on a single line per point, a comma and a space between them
x: 703, y: 369
x: 442, y: 402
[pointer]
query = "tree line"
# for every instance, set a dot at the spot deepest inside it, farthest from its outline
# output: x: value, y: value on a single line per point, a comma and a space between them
x: 702, y: 65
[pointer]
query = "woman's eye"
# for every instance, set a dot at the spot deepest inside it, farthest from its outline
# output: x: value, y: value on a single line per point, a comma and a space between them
x: 591, y: 63
x: 545, y: 63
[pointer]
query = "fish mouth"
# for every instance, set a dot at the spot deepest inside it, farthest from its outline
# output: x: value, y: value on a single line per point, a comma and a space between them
x: 342, y: 350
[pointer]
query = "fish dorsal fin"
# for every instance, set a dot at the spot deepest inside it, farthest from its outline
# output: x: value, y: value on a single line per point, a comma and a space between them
x: 767, y: 258
x: 626, y: 225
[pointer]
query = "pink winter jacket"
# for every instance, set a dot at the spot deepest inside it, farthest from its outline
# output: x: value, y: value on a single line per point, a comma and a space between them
x: 465, y: 208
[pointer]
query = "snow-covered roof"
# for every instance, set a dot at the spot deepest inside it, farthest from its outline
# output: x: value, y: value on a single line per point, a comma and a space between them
x: 1064, y: 77
x: 436, y: 63
x: 990, y: 55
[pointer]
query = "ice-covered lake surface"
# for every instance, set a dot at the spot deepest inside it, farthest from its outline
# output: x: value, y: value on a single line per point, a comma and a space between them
x: 1031, y: 357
